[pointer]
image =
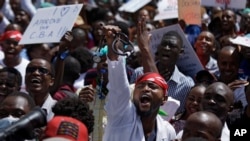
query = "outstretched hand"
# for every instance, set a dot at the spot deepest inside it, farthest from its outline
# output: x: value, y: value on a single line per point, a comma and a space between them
x: 143, y: 40
x: 65, y: 41
x: 110, y: 33
x: 87, y: 94
x: 237, y: 84
x: 143, y: 36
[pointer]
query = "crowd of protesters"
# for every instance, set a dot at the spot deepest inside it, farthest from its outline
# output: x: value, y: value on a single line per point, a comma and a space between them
x: 96, y: 87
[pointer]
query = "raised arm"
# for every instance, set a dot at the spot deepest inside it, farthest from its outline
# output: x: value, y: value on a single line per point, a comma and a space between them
x: 118, y: 98
x: 59, y: 63
x: 143, y: 39
x: 110, y: 32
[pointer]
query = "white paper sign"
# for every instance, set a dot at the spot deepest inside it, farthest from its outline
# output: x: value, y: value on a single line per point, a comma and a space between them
x: 170, y: 107
x: 241, y: 40
x: 168, y: 9
x: 237, y: 4
x: 133, y: 5
x: 49, y: 24
x: 188, y: 63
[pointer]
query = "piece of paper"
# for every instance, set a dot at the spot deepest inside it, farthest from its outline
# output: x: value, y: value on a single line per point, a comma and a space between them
x: 241, y: 40
x: 133, y: 5
x: 167, y: 9
x: 49, y: 24
x: 237, y: 4
x: 170, y: 107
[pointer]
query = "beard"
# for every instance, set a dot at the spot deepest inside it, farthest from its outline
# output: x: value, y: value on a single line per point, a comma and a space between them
x: 150, y: 112
x: 143, y: 113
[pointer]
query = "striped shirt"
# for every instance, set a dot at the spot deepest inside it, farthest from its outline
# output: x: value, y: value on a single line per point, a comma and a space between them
x: 179, y: 87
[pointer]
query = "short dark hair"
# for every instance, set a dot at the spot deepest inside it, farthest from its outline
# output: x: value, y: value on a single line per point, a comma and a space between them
x: 75, y: 108
x: 84, y: 56
x: 175, y: 34
x: 31, y: 102
x: 14, y: 71
x: 72, y: 68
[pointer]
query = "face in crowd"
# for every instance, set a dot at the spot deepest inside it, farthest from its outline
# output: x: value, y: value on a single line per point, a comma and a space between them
x: 228, y: 20
x: 218, y: 99
x: 16, y: 105
x: 205, y: 44
x: 168, y: 52
x: 194, y: 98
x: 10, y: 81
x: 10, y: 46
x: 228, y: 64
x: 204, y: 125
x: 39, y: 77
x: 149, y: 94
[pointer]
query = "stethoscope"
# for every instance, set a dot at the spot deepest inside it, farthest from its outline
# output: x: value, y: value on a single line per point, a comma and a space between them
x: 126, y: 50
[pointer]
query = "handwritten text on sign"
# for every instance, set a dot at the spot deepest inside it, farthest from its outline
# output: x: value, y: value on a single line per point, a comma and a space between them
x: 189, y: 11
x: 50, y: 24
x: 188, y: 63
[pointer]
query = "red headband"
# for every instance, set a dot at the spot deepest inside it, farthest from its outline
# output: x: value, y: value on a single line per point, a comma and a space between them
x: 13, y: 34
x: 154, y: 77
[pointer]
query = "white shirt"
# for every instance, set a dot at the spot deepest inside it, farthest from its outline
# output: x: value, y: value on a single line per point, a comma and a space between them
x: 79, y: 83
x: 47, y: 105
x: 225, y: 135
x: 123, y: 122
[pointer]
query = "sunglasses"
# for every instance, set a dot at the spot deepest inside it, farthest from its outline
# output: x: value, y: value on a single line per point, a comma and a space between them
x: 42, y: 71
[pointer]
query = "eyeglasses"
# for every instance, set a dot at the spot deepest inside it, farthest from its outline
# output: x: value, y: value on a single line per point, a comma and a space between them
x: 42, y: 71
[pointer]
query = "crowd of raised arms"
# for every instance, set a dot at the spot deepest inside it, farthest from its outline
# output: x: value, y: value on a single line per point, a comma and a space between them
x: 103, y: 81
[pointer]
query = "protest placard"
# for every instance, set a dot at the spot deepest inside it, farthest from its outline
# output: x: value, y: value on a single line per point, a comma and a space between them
x: 133, y: 5
x: 241, y: 40
x: 49, y: 24
x: 190, y: 11
x: 167, y: 9
x: 237, y: 4
x: 188, y: 62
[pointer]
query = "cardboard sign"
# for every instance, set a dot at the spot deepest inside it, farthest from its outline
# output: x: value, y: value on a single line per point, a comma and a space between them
x: 188, y: 62
x: 190, y: 11
x: 49, y: 24
x: 237, y: 4
x: 133, y: 5
x: 168, y: 9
